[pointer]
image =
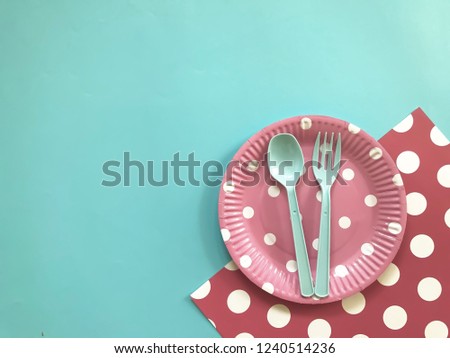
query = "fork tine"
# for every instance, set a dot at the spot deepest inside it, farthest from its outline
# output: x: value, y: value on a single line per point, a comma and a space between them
x: 330, y: 154
x: 316, y: 151
x: 324, y: 150
x: 337, y: 155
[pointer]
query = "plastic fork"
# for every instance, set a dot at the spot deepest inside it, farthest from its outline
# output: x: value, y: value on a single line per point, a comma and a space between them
x: 325, y: 170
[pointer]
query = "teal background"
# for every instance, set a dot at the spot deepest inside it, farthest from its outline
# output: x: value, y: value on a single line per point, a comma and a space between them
x: 83, y: 81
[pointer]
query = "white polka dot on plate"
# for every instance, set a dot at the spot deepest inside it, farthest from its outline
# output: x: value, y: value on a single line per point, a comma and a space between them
x: 376, y: 153
x: 306, y: 123
x: 421, y: 246
x: 278, y: 316
x: 367, y: 249
x: 225, y: 234
x: 416, y: 203
x: 370, y: 200
x: 273, y: 191
x: 238, y: 301
x: 228, y: 187
x: 438, y: 138
x: 270, y: 239
x: 248, y: 212
x: 397, y: 180
x: 395, y: 317
x: 253, y: 165
x: 344, y: 222
x: 447, y: 218
x: 291, y: 266
x: 443, y: 176
x: 319, y: 328
x: 203, y: 291
x: 231, y: 266
x: 404, y: 125
x: 353, y: 129
x: 245, y: 261
x: 319, y: 196
x: 244, y: 335
x: 354, y: 304
x: 268, y: 287
x: 408, y: 162
x: 390, y: 276
x: 436, y: 329
x: 429, y: 289
x: 340, y: 271
x: 394, y: 228
x: 212, y: 322
x: 315, y: 244
x: 348, y: 174
x: 360, y: 335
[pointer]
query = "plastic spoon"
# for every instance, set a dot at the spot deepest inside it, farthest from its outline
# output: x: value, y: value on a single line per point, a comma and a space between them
x: 286, y: 166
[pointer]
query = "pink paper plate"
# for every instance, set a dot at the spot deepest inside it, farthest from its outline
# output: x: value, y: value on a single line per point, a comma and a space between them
x: 368, y: 211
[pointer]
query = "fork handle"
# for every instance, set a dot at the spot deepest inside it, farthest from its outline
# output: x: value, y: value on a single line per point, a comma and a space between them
x: 304, y: 270
x: 323, y: 256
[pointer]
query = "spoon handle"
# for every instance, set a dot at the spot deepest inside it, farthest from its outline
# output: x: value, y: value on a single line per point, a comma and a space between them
x: 304, y: 270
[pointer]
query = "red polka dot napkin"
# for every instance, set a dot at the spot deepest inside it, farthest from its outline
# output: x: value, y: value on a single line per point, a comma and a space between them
x: 410, y: 299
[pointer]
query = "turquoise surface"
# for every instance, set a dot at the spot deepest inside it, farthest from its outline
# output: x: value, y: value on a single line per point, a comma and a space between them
x: 82, y: 82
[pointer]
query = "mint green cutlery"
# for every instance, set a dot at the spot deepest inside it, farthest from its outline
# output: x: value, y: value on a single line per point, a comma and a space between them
x: 286, y: 166
x: 325, y: 172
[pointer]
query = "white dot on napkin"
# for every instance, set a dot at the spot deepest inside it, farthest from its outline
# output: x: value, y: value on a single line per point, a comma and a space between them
x: 244, y: 335
x: 231, y: 266
x: 270, y: 239
x: 360, y: 335
x: 443, y: 176
x: 278, y: 316
x: 268, y: 287
x: 354, y: 304
x: 404, y: 125
x: 390, y: 276
x: 436, y: 329
x: 238, y: 301
x: 438, y: 138
x: 416, y: 203
x: 408, y: 162
x: 447, y: 218
x: 395, y: 317
x: 248, y: 212
x: 202, y: 291
x: 319, y: 328
x: 421, y: 246
x: 429, y: 289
